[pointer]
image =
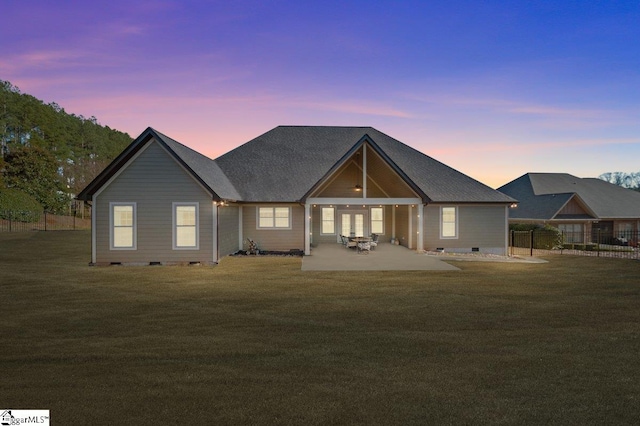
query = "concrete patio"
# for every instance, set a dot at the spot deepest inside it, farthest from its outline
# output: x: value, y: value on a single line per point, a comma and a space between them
x: 385, y: 257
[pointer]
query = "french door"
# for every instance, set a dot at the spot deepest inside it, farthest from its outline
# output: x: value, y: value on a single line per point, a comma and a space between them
x: 353, y: 224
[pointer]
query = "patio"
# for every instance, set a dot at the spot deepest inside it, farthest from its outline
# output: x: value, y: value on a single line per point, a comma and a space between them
x: 386, y: 257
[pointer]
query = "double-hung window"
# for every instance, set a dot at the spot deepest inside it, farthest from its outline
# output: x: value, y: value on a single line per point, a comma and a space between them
x: 449, y: 222
x: 328, y: 220
x: 122, y: 224
x: 185, y: 226
x: 377, y: 220
x: 274, y: 217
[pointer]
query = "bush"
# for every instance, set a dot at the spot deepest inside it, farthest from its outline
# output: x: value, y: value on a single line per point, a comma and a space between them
x: 547, y: 238
x: 19, y: 206
x: 523, y: 227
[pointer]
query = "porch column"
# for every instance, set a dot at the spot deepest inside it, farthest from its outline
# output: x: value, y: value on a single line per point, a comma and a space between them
x: 215, y: 233
x: 420, y: 237
x: 307, y: 229
x: 410, y: 242
x: 393, y: 221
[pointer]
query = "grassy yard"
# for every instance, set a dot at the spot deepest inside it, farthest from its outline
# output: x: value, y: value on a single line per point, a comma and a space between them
x: 257, y: 341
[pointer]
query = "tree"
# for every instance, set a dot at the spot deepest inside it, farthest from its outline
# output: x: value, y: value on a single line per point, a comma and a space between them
x: 626, y: 180
x: 34, y: 171
x: 81, y: 146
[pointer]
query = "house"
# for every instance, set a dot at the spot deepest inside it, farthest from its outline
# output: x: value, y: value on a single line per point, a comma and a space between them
x: 585, y: 209
x: 293, y: 187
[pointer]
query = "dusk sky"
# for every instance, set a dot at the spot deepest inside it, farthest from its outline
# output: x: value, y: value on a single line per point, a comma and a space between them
x: 494, y: 89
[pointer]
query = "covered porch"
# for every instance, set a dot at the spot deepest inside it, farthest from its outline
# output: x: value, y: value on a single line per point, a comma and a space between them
x: 385, y: 257
x: 364, y: 194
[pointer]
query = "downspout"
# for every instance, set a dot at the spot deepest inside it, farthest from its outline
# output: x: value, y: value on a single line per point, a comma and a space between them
x: 215, y: 233
x: 420, y: 247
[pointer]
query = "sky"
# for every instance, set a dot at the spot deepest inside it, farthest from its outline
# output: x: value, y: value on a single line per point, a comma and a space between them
x: 494, y: 89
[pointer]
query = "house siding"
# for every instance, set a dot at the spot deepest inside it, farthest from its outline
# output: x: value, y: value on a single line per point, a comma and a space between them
x: 154, y: 181
x: 402, y: 225
x: 480, y: 226
x: 275, y: 239
x: 228, y: 230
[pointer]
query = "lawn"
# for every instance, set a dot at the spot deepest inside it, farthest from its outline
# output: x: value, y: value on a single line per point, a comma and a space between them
x: 257, y: 341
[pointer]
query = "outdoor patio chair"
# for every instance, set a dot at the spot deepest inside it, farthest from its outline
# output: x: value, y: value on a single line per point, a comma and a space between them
x: 364, y: 247
x: 347, y: 242
x: 374, y: 241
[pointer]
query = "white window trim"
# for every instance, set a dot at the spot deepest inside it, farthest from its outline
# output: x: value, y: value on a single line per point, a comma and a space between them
x: 135, y: 225
x: 371, y: 220
x: 442, y: 237
x: 273, y: 228
x: 322, y: 221
x: 174, y: 226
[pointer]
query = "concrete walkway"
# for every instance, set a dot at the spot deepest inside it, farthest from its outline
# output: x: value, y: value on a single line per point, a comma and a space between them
x: 385, y: 257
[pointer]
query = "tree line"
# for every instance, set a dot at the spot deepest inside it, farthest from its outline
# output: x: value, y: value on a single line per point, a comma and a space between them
x: 46, y: 154
x: 626, y: 180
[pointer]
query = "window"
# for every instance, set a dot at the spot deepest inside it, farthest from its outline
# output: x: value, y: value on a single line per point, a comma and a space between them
x: 185, y: 226
x: 122, y: 219
x: 274, y: 218
x: 449, y: 222
x: 328, y: 221
x: 572, y: 232
x: 377, y: 220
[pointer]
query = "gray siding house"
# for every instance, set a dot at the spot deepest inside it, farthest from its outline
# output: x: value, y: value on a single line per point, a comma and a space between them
x: 293, y: 187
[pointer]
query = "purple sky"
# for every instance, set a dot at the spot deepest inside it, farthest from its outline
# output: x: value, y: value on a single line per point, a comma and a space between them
x: 494, y: 89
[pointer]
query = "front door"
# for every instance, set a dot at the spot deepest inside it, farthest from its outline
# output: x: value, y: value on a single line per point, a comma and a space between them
x: 352, y: 224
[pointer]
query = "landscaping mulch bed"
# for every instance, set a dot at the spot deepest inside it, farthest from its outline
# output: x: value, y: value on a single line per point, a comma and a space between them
x: 289, y: 253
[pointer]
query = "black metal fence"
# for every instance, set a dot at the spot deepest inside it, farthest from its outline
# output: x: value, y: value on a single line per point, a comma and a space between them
x: 598, y: 244
x: 21, y: 221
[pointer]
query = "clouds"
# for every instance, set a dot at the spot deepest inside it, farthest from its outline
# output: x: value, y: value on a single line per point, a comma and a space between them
x: 490, y: 88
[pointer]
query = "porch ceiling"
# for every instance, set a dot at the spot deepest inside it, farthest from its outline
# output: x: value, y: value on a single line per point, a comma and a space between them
x: 370, y: 172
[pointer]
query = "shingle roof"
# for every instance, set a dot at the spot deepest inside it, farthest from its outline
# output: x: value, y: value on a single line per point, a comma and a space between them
x: 286, y: 162
x: 542, y: 195
x: 203, y: 167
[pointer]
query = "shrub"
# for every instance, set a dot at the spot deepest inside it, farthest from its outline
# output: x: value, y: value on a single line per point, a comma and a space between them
x: 547, y: 238
x: 19, y: 206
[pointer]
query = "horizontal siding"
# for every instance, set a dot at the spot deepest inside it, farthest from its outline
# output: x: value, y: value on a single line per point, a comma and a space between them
x: 272, y: 239
x: 402, y: 225
x: 154, y: 180
x: 228, y: 228
x: 478, y: 226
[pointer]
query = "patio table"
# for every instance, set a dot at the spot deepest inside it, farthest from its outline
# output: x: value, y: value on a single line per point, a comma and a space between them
x: 361, y: 241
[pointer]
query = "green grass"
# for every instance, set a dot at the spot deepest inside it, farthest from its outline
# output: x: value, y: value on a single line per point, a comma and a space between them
x: 257, y: 341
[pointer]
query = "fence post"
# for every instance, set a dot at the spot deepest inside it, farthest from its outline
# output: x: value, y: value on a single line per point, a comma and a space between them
x: 561, y: 242
x: 10, y: 220
x: 599, y: 240
x: 512, y: 240
x: 531, y: 243
x: 45, y: 220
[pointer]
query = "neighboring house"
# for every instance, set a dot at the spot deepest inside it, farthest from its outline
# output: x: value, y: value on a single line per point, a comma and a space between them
x: 586, y: 209
x: 291, y: 188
